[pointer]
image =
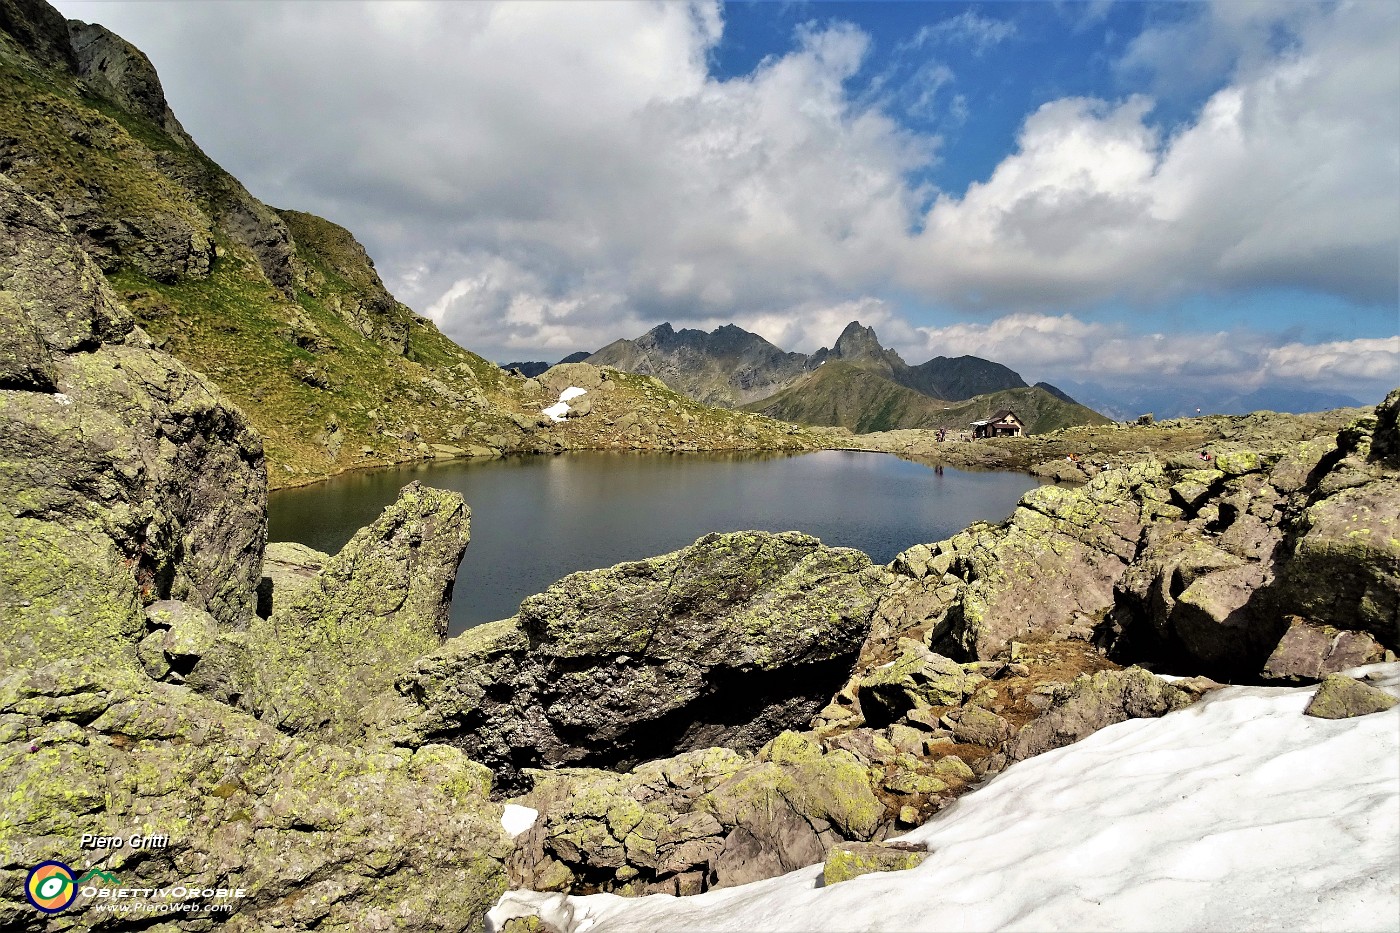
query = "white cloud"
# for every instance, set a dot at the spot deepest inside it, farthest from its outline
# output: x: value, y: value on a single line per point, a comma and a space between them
x: 1290, y: 176
x: 555, y: 175
x: 978, y: 32
x: 1043, y: 346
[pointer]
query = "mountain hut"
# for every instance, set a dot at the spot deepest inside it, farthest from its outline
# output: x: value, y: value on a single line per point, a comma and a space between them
x: 1003, y: 423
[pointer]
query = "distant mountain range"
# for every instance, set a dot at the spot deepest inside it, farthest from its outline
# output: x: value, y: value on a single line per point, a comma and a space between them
x: 1167, y: 402
x: 856, y: 383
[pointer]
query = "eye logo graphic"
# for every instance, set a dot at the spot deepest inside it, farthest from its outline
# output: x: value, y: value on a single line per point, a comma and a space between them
x: 50, y: 887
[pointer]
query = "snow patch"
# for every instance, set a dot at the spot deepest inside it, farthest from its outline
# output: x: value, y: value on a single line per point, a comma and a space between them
x: 1238, y: 812
x: 560, y: 409
x: 516, y: 819
x: 62, y: 399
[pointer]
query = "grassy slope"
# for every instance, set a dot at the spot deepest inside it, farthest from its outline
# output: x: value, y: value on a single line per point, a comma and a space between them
x: 842, y: 395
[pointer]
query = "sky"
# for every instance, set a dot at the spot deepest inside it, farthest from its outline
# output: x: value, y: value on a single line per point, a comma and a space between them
x: 1120, y: 193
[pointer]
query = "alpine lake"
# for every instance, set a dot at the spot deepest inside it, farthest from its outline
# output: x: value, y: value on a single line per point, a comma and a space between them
x: 537, y: 519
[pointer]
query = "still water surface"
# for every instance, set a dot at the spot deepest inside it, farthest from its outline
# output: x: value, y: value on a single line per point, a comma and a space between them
x: 537, y: 519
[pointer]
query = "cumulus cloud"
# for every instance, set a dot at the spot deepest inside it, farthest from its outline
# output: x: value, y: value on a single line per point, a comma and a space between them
x: 555, y: 175
x: 1290, y: 176
x: 1057, y: 346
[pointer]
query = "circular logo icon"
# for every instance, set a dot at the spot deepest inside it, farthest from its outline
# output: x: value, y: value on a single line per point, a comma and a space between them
x: 50, y: 886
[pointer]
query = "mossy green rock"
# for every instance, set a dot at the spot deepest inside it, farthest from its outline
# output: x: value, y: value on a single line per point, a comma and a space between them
x: 320, y: 837
x: 728, y: 641
x: 849, y: 860
x: 127, y: 481
x: 1342, y: 697
x: 328, y: 660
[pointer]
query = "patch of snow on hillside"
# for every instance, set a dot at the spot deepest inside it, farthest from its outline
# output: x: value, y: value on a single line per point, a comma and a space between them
x: 560, y: 409
x: 1237, y: 813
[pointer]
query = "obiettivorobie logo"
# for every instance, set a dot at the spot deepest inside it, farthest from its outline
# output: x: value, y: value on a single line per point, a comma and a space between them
x: 52, y: 888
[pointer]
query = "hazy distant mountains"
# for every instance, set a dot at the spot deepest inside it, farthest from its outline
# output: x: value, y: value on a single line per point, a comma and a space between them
x: 856, y: 383
x: 1126, y: 404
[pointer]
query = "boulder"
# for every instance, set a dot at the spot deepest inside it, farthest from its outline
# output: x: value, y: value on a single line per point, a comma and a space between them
x: 327, y: 661
x: 1342, y: 697
x: 703, y: 819
x: 726, y: 642
x: 977, y: 726
x: 849, y: 860
x: 1310, y: 652
x: 1091, y: 702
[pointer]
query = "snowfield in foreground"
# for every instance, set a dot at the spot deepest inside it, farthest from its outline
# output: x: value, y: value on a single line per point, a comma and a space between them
x: 1238, y: 813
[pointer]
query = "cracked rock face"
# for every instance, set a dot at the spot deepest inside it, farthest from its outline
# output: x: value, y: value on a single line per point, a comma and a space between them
x: 132, y: 523
x: 121, y: 471
x: 726, y: 642
x: 321, y: 837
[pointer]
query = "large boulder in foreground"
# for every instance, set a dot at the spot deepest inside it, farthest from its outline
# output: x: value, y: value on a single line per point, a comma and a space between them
x: 726, y: 642
x: 703, y: 819
x: 326, y: 660
x: 318, y: 836
x: 125, y: 478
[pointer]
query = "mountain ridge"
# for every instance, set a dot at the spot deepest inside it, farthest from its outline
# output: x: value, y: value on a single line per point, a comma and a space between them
x: 871, y: 387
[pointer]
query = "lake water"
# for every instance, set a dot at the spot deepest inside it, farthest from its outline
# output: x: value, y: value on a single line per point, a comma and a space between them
x: 537, y: 519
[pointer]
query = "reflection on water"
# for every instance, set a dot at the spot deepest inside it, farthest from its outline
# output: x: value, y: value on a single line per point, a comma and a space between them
x: 536, y: 519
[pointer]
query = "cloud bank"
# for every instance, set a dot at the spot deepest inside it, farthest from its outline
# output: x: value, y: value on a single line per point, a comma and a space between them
x: 542, y: 177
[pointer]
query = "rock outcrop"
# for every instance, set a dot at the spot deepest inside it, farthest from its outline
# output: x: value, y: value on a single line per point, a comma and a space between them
x: 121, y: 471
x: 325, y: 662
x: 704, y: 819
x: 132, y: 527
x: 728, y: 641
x: 318, y: 836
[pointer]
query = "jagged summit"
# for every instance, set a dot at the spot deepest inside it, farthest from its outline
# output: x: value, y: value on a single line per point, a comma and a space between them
x: 858, y: 343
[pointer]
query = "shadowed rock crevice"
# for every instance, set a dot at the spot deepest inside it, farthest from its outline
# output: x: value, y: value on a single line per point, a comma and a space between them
x: 741, y: 709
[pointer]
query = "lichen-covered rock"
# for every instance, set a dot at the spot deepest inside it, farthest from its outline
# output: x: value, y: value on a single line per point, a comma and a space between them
x: 327, y: 661
x: 319, y: 837
x: 289, y: 570
x: 1342, y: 565
x: 1342, y: 697
x: 849, y: 860
x: 1310, y: 652
x: 1091, y: 702
x: 728, y: 641
x: 917, y: 678
x: 977, y: 726
x: 124, y: 479
x: 700, y: 820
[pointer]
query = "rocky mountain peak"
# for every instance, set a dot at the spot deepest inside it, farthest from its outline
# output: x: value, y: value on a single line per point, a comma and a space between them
x: 860, y: 345
x: 117, y: 70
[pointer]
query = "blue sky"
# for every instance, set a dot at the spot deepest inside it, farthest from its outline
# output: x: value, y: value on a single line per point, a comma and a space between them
x: 1125, y: 193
